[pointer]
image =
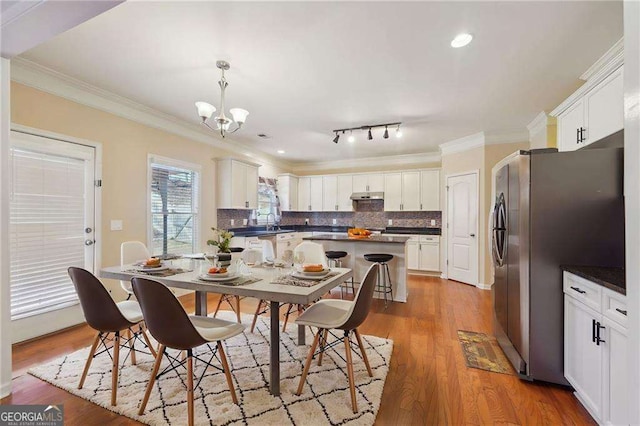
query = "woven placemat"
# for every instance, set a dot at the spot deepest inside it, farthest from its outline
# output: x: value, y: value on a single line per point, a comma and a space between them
x: 236, y: 282
x: 301, y: 282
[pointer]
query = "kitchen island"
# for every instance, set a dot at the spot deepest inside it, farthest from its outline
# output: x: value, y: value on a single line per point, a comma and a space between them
x: 357, y: 247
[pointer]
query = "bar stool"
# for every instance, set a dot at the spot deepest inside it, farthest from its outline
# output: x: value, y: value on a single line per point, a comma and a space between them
x: 384, y: 284
x: 335, y: 261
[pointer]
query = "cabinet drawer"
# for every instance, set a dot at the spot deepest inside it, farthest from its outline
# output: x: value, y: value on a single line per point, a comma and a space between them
x: 614, y: 307
x: 430, y: 239
x: 583, y: 290
x: 289, y: 236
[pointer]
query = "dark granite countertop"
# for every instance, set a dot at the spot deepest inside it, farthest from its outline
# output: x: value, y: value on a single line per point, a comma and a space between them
x: 370, y: 239
x: 258, y: 231
x: 415, y: 231
x: 611, y: 278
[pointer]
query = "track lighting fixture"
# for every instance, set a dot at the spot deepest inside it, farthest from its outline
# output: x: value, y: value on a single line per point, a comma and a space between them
x: 368, y: 128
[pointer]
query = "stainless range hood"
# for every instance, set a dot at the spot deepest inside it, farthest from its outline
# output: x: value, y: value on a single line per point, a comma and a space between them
x: 363, y: 196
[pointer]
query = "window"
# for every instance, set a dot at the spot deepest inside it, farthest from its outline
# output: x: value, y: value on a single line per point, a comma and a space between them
x: 51, y: 216
x: 267, y: 201
x: 174, y: 207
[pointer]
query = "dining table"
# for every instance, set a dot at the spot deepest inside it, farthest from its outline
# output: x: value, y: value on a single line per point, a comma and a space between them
x: 262, y: 284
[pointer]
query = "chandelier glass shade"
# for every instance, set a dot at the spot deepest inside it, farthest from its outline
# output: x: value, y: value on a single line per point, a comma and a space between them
x: 223, y: 123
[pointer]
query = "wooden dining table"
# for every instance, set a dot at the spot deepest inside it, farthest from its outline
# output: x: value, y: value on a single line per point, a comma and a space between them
x: 264, y: 289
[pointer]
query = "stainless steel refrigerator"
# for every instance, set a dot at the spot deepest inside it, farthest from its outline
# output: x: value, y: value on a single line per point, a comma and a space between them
x: 551, y: 209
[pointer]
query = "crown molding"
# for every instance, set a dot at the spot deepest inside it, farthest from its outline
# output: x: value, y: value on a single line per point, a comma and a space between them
x: 606, y: 65
x: 463, y: 144
x: 539, y: 124
x: 506, y: 136
x: 608, y: 62
x: 47, y: 80
x: 394, y: 160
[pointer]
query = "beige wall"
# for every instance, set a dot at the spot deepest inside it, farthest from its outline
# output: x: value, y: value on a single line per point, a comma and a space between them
x: 125, y: 146
x: 480, y: 159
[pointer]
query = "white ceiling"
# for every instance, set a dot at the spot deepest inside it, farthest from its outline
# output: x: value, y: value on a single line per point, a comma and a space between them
x: 303, y: 69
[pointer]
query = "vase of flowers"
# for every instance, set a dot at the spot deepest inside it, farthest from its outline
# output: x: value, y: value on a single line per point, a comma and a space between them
x: 222, y: 240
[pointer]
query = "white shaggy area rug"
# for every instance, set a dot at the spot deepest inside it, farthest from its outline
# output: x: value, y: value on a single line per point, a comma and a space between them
x: 325, y: 398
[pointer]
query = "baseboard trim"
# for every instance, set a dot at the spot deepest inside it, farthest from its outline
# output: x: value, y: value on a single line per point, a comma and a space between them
x: 483, y: 286
x: 423, y: 273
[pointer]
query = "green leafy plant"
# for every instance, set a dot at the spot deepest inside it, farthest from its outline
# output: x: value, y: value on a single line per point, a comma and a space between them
x: 221, y: 239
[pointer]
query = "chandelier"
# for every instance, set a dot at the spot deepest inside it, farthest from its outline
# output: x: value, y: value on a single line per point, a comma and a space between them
x: 223, y: 123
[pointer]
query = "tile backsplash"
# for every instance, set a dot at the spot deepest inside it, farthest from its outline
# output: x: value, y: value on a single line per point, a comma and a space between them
x: 368, y: 214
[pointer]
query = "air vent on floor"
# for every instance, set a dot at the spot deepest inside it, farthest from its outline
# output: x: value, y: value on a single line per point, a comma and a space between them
x: 264, y: 136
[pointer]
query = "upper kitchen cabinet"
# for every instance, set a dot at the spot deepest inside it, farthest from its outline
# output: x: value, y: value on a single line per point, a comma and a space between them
x: 310, y: 193
x: 288, y: 192
x: 336, y: 193
x: 372, y: 182
x: 237, y: 184
x: 402, y: 191
x: 430, y: 190
x: 596, y: 109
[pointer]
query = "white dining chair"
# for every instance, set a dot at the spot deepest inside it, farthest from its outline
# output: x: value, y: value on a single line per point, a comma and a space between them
x: 130, y: 252
x: 343, y: 315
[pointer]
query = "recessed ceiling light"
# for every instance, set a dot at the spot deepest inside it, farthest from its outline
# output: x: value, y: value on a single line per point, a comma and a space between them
x: 280, y: 151
x: 461, y: 40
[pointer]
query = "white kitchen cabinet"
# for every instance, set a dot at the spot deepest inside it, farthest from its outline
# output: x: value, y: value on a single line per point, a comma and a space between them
x: 330, y: 193
x: 604, y: 108
x: 310, y: 193
x: 402, y: 191
x: 596, y: 349
x: 237, y: 184
x: 582, y: 357
x: 345, y: 189
x: 392, y: 192
x: 423, y: 253
x: 288, y: 192
x: 592, y: 115
x: 430, y: 190
x: 371, y: 182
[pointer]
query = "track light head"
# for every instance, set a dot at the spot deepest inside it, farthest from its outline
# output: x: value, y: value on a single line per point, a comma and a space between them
x: 351, y: 138
x: 398, y: 132
x: 335, y: 140
x: 386, y: 133
x: 369, y: 136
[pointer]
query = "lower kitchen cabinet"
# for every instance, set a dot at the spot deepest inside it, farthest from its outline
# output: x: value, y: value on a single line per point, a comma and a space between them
x: 595, y: 349
x: 423, y: 253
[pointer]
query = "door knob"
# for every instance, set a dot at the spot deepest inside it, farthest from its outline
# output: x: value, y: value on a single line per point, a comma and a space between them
x: 88, y: 242
x: 472, y: 235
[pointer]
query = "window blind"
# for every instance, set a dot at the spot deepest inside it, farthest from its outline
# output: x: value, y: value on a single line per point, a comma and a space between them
x: 174, y: 216
x: 46, y: 230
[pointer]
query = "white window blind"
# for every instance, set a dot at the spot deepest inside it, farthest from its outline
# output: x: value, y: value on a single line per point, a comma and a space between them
x: 174, y: 209
x: 47, y: 209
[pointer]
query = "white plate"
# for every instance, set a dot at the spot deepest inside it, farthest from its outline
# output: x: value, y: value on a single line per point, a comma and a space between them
x: 316, y: 274
x: 311, y: 275
x: 207, y: 277
x: 151, y: 268
x: 224, y: 275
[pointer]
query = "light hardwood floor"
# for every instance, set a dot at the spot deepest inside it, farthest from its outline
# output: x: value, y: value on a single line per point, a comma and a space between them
x: 428, y: 382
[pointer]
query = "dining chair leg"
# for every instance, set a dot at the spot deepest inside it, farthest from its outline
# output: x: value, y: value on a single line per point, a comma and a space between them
x: 363, y: 352
x: 286, y: 317
x: 352, y: 389
x: 255, y: 316
x: 227, y: 372
x: 218, y: 305
x: 152, y: 379
x: 147, y: 341
x: 114, y: 369
x: 238, y: 309
x: 190, y: 387
x: 323, y: 343
x: 130, y: 338
x: 307, y: 363
x: 92, y: 352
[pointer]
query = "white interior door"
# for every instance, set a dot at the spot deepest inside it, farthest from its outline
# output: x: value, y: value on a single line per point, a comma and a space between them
x: 462, y: 222
x: 52, y: 227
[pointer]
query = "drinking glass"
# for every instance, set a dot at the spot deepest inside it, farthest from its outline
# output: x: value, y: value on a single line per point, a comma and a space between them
x: 298, y: 260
